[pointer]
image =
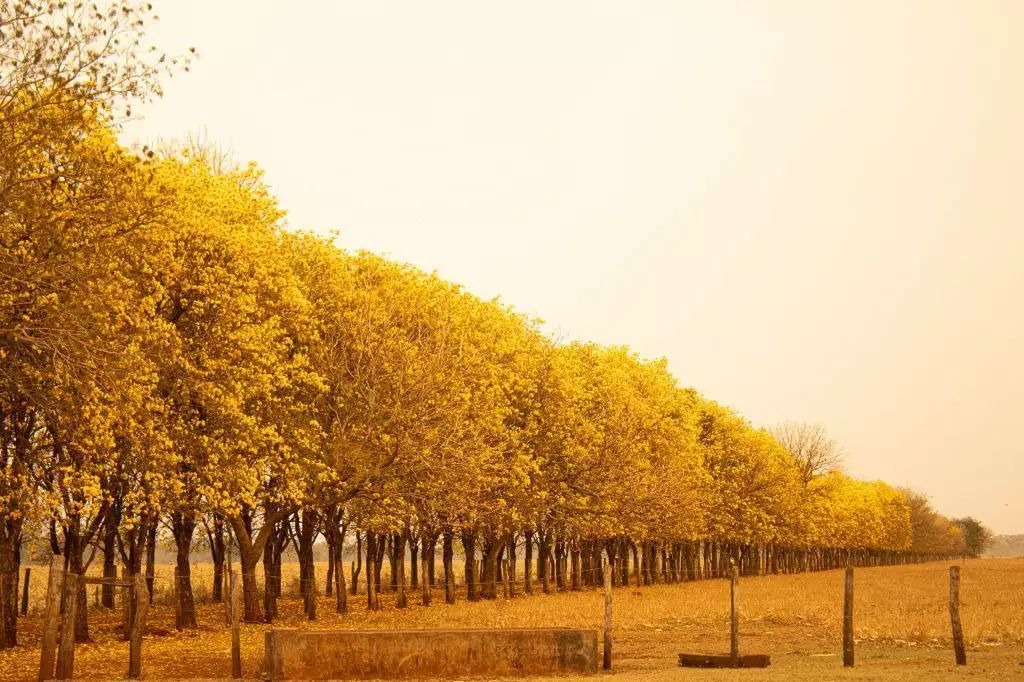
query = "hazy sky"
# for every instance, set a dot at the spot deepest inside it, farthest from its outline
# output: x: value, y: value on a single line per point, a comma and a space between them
x: 815, y: 210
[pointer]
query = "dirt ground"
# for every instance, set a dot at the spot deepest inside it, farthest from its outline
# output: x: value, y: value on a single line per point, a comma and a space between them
x: 902, y: 628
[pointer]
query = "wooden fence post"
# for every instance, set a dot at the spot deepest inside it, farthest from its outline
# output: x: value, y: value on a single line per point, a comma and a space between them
x: 734, y: 631
x: 66, y: 652
x: 24, y: 592
x: 607, y: 617
x: 140, y: 597
x: 848, y: 619
x: 236, y: 644
x: 954, y: 615
x: 51, y: 617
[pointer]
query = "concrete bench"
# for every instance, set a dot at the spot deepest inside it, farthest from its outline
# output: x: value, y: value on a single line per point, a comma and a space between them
x: 368, y: 654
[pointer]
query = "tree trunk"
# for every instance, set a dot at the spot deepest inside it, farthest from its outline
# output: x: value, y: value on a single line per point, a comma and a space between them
x: 510, y: 557
x: 250, y: 547
x: 109, y: 556
x: 469, y: 547
x: 250, y: 595
x: 491, y: 553
x: 359, y: 563
x: 528, y: 563
x: 217, y: 553
x: 425, y: 585
x: 338, y: 553
x: 398, y: 566
x: 414, y: 553
x: 447, y: 554
x: 183, y: 526
x: 150, y: 562
x: 272, y: 551
x: 576, y: 571
x: 636, y: 562
x: 393, y: 558
x: 543, y: 560
x: 10, y: 565
x: 307, y: 524
x: 329, y: 581
x: 560, y: 565
x: 428, y: 553
x: 372, y: 581
x: 378, y: 562
x: 74, y: 547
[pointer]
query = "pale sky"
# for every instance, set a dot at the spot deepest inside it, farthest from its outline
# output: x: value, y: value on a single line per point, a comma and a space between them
x: 815, y: 210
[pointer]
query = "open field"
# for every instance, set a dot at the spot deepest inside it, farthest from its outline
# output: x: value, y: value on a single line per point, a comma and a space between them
x: 902, y: 627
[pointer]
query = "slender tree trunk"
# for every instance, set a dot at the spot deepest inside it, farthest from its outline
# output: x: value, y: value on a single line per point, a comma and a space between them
x: 510, y: 555
x: 109, y: 556
x: 359, y: 563
x: 336, y: 545
x: 329, y: 581
x: 528, y: 562
x: 432, y: 547
x: 150, y: 562
x: 378, y: 561
x: 636, y: 562
x: 393, y: 558
x: 425, y: 585
x: 447, y: 555
x: 340, y: 588
x: 414, y: 553
x: 218, y: 550
x: 372, y: 580
x: 272, y: 551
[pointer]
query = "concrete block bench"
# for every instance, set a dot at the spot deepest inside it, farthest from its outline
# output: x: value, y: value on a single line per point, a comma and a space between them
x: 367, y: 654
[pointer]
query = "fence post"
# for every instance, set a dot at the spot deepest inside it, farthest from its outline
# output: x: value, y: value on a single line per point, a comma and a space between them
x: 140, y: 596
x: 66, y: 652
x: 51, y: 618
x: 734, y: 632
x: 24, y: 593
x: 954, y: 615
x: 848, y: 619
x: 236, y: 644
x: 607, y: 617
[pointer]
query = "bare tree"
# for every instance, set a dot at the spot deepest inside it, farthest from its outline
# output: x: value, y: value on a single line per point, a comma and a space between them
x: 815, y: 452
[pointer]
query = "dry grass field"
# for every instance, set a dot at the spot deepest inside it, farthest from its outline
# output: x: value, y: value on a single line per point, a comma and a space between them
x: 902, y: 627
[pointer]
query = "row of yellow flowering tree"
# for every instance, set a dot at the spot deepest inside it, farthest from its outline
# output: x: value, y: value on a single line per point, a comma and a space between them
x: 171, y: 358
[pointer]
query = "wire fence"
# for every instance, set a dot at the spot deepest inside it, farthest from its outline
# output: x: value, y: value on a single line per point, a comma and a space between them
x: 165, y: 585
